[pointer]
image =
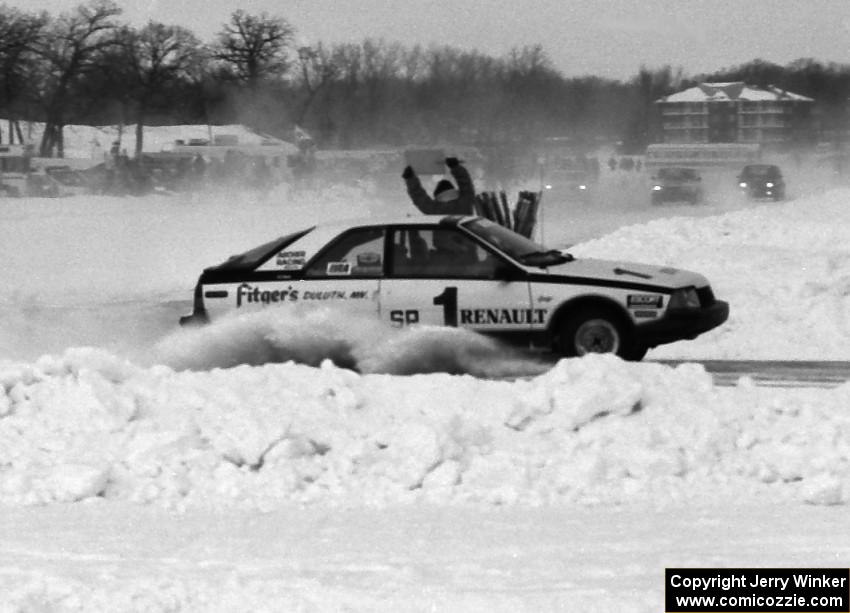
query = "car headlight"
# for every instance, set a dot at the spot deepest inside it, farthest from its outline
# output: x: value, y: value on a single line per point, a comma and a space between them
x: 684, y: 298
x: 582, y: 187
x: 769, y: 184
x: 656, y: 188
x: 742, y: 184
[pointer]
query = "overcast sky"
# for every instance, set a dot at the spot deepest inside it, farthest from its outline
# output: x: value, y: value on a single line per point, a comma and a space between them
x: 609, y: 38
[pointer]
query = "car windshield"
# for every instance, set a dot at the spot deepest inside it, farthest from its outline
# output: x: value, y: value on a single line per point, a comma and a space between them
x: 677, y: 174
x: 515, y: 245
x: 256, y: 256
x: 761, y: 171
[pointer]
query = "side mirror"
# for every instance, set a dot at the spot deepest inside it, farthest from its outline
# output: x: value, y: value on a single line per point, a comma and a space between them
x: 506, y: 273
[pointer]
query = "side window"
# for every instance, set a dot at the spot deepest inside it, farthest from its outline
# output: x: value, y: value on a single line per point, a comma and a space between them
x: 442, y: 252
x: 357, y: 254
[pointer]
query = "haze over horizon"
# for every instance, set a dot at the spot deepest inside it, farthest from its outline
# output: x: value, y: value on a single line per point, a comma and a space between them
x: 610, y: 38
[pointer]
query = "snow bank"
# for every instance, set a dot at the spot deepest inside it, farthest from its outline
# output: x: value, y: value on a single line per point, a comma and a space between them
x: 87, y: 424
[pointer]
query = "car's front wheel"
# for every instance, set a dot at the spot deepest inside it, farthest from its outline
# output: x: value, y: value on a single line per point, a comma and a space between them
x: 598, y: 331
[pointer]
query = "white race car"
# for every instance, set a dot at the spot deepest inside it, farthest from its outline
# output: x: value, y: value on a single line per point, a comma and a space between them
x: 467, y: 272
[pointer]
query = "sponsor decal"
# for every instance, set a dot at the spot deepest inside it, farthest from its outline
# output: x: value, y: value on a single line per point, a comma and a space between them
x: 369, y: 259
x: 502, y: 316
x: 544, y: 299
x: 247, y: 294
x: 644, y: 300
x: 339, y: 268
x: 291, y: 260
x: 668, y: 271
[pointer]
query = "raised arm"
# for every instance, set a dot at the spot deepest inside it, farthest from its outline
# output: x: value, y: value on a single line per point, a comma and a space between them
x: 465, y: 187
x: 420, y: 198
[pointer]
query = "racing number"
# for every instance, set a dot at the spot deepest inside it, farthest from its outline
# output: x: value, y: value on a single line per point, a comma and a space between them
x: 401, y: 318
x: 448, y: 300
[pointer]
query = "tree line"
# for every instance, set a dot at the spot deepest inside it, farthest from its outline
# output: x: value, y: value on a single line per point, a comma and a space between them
x: 85, y: 66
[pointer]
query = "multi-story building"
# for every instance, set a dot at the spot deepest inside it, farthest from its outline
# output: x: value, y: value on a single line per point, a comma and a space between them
x: 736, y: 113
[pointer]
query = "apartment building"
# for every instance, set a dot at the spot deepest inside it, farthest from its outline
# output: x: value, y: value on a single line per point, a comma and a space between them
x: 736, y: 113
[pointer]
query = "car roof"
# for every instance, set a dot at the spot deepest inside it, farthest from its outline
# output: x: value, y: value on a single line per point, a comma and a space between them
x: 761, y: 167
x: 395, y: 220
x: 677, y: 168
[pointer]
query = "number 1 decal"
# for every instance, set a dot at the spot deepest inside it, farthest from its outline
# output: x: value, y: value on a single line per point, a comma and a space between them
x: 448, y: 299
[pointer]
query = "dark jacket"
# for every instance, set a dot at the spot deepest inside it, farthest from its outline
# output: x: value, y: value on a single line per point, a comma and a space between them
x: 462, y: 205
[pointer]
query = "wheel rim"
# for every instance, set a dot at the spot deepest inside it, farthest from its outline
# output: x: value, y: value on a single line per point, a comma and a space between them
x: 597, y: 336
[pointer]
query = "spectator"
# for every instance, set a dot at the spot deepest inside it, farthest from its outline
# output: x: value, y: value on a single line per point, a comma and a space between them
x: 448, y: 199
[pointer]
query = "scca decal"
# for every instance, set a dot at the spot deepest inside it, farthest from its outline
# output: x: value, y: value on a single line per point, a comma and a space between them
x: 502, y: 316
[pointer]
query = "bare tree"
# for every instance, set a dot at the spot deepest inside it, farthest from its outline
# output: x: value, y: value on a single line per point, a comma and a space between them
x: 19, y: 32
x: 71, y: 48
x: 317, y: 71
x: 255, y: 47
x: 156, y: 56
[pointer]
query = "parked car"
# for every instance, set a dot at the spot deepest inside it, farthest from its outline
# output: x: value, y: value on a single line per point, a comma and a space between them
x: 762, y: 181
x: 69, y: 182
x: 677, y: 184
x: 468, y: 272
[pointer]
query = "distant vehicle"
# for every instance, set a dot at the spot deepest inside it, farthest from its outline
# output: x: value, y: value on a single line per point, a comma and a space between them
x: 570, y: 184
x: 67, y: 181
x: 465, y: 272
x: 677, y: 184
x: 701, y: 155
x: 762, y: 181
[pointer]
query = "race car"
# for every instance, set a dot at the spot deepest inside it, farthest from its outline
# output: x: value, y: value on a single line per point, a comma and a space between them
x: 469, y: 272
x: 762, y: 181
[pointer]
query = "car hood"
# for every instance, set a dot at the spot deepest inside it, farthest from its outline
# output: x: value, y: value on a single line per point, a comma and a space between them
x: 627, y: 273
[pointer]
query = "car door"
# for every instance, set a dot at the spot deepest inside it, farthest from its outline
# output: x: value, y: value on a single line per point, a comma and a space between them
x: 442, y: 276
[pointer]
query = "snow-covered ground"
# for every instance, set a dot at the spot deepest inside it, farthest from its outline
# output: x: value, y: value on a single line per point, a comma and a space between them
x: 146, y: 468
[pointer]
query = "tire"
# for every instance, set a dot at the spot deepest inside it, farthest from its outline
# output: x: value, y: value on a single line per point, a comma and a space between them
x: 597, y: 330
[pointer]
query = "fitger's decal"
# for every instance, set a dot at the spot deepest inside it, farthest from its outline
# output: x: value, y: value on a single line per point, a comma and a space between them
x: 248, y: 294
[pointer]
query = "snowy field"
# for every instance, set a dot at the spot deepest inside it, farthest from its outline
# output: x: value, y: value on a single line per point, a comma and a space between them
x: 147, y: 468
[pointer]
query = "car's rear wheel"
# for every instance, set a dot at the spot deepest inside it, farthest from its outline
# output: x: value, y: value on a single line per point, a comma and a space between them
x: 598, y: 331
